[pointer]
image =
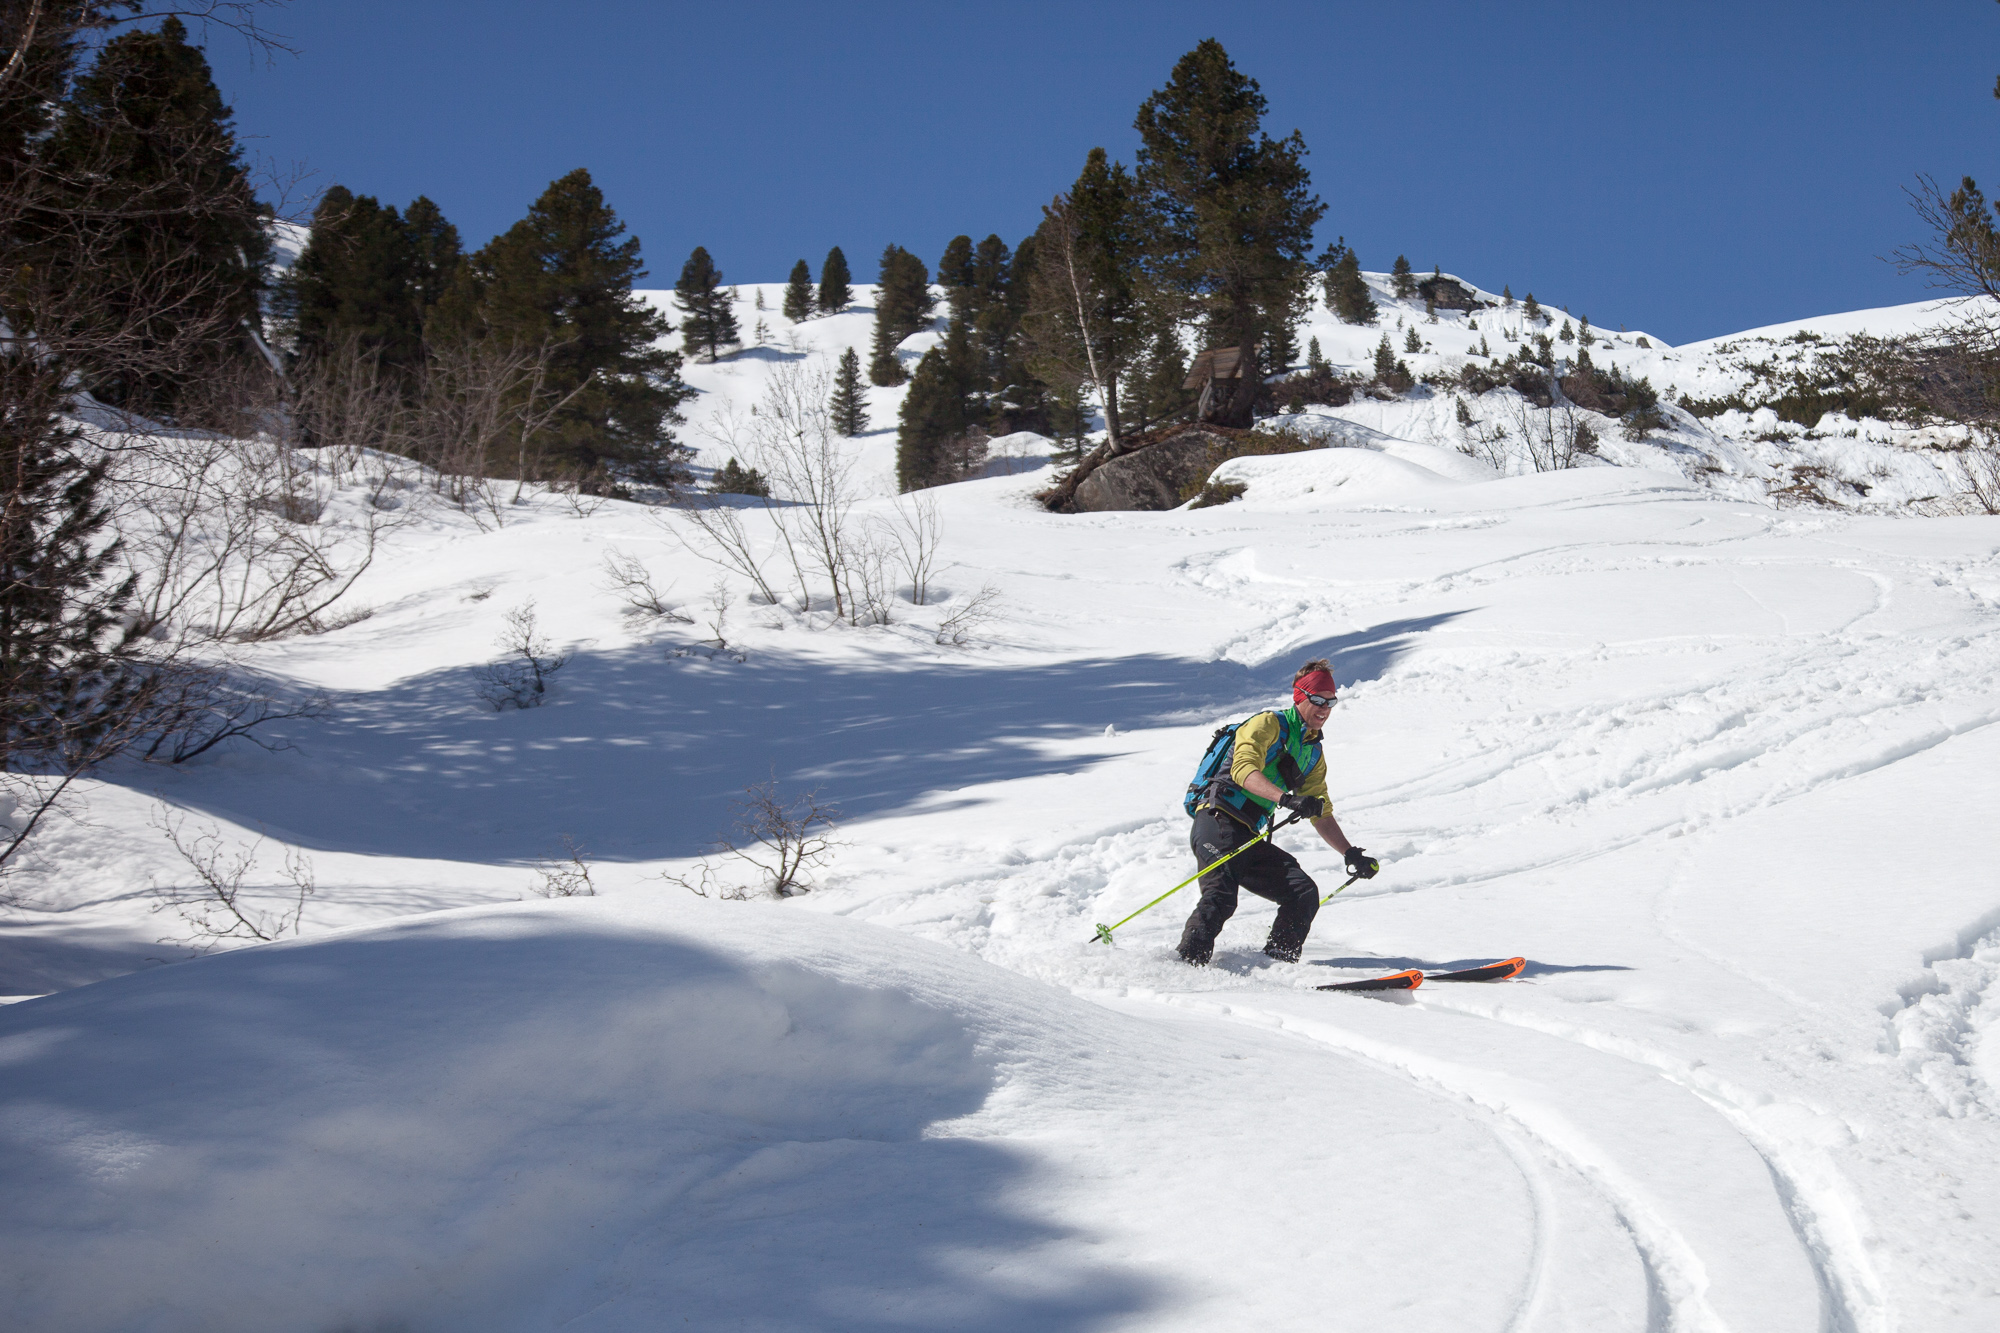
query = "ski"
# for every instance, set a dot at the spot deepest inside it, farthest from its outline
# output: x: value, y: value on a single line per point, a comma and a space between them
x: 1500, y: 971
x: 1395, y: 981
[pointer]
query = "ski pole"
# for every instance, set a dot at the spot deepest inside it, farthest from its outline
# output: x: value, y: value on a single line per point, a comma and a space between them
x: 1336, y: 893
x: 1104, y: 931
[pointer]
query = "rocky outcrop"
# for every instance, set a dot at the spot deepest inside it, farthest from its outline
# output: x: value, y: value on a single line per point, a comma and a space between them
x: 1159, y: 476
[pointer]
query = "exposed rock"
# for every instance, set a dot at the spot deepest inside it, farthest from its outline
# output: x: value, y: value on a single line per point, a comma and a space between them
x: 1449, y: 294
x: 1159, y: 476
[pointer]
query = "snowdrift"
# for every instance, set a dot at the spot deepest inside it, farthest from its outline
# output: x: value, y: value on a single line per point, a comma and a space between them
x: 621, y: 1117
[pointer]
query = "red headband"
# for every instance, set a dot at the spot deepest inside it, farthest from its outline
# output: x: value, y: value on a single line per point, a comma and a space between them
x: 1315, y: 682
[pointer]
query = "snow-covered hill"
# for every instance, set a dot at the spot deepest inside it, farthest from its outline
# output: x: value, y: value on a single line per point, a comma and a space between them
x: 1719, y: 769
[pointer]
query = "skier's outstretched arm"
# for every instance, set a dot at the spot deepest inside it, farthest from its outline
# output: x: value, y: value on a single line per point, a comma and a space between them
x: 1329, y: 828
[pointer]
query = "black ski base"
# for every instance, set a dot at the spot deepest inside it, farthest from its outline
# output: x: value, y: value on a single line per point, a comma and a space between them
x: 1398, y: 981
x: 1500, y: 971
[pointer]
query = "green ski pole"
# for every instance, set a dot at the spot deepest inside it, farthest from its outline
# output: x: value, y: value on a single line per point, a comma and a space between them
x: 1104, y: 931
x: 1336, y: 893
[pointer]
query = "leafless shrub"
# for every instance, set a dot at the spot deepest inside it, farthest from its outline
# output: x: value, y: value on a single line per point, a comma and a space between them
x: 480, y: 409
x: 1555, y: 437
x: 567, y: 875
x: 783, y: 841
x: 521, y: 678
x: 967, y: 616
x: 722, y: 538
x: 718, y: 612
x: 873, y: 587
x: 917, y: 528
x: 227, y: 538
x: 213, y: 904
x: 199, y: 706
x: 628, y: 576
x: 791, y: 438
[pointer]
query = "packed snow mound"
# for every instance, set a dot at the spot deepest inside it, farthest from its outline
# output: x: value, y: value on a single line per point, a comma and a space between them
x: 1333, y: 476
x: 628, y: 1115
x: 1889, y: 321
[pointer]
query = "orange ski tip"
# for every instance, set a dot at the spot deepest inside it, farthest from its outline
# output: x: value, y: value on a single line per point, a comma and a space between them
x: 1513, y: 966
x: 1415, y: 975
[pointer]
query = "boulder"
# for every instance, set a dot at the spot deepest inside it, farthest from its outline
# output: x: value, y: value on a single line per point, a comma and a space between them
x: 1160, y: 475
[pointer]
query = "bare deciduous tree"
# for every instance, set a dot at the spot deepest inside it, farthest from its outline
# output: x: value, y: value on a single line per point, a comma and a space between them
x: 784, y: 841
x: 628, y: 576
x: 917, y: 528
x: 567, y: 875
x: 521, y: 678
x: 213, y: 903
x: 967, y: 616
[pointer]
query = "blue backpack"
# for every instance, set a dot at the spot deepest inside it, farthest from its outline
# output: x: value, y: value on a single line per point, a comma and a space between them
x: 1213, y: 770
x: 1215, y: 759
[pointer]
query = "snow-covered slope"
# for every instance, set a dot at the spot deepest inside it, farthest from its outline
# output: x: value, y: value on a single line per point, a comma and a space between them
x: 1720, y: 771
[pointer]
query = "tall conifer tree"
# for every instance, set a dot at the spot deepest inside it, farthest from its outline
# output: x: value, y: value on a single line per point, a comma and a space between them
x: 799, y: 293
x: 834, y: 293
x: 1086, y: 319
x: 903, y: 305
x: 711, y: 314
x: 850, y: 399
x: 939, y: 409
x: 1400, y: 280
x: 562, y: 278
x: 1346, y: 291
x: 1230, y: 211
x: 146, y: 133
x: 356, y: 281
x: 436, y: 248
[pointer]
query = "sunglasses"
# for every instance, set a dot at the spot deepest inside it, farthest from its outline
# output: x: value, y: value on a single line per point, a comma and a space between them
x: 1319, y: 700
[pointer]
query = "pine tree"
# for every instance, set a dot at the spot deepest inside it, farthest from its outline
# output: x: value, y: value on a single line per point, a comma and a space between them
x: 1154, y: 387
x: 1564, y: 334
x: 1411, y: 342
x: 1227, y: 211
x: 1347, y: 293
x: 798, y: 293
x: 833, y: 279
x: 561, y: 278
x: 903, y: 306
x: 1400, y: 280
x: 954, y: 274
x: 1583, y: 331
x: 1315, y: 359
x: 63, y: 659
x: 436, y: 252
x: 850, y: 400
x: 1385, y: 359
x: 938, y: 410
x: 732, y: 478
x: 711, y: 317
x: 146, y: 140
x: 1530, y: 311
x: 1085, y: 321
x: 1506, y: 298
x: 356, y: 282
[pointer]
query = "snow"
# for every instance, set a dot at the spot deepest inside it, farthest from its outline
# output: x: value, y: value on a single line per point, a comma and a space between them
x: 1722, y: 771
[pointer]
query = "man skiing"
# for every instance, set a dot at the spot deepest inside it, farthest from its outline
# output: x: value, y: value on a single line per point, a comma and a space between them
x: 1277, y: 762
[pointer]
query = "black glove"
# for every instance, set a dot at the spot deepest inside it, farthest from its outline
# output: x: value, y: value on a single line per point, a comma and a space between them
x: 1360, y: 864
x: 1306, y: 807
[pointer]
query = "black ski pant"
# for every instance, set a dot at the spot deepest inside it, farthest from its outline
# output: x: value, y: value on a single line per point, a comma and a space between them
x: 1265, y: 870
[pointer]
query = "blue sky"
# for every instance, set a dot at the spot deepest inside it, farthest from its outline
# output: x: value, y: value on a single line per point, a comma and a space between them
x: 1690, y: 168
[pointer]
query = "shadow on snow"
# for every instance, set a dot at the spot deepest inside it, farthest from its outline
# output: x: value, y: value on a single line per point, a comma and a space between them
x: 639, y: 755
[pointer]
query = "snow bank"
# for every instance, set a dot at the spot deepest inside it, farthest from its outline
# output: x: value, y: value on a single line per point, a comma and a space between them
x: 1333, y: 476
x: 624, y: 1116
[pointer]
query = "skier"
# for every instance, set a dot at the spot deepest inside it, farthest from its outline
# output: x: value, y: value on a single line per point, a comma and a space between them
x: 1276, y: 761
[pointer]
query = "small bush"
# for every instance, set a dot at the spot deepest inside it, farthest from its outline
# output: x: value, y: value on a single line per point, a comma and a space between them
x: 735, y: 479
x: 1218, y: 493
